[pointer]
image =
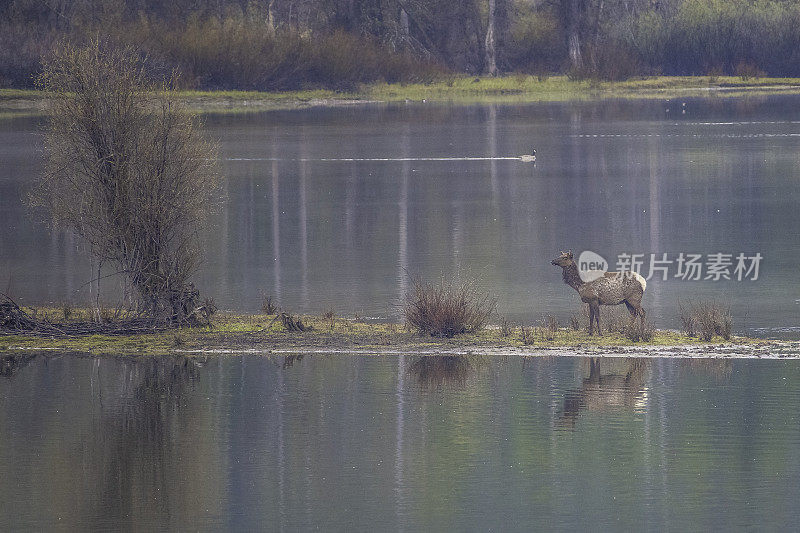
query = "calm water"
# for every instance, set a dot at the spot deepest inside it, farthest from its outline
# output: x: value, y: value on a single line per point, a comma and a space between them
x: 399, y: 443
x: 318, y: 233
x: 336, y: 208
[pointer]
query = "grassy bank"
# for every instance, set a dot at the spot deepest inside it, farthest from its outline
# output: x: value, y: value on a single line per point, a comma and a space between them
x: 462, y: 90
x: 266, y: 333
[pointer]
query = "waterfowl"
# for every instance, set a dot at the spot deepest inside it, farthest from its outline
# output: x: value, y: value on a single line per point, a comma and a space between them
x: 528, y: 158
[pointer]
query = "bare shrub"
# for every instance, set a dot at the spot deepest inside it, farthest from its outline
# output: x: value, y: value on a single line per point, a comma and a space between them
x: 330, y: 316
x: 527, y: 335
x: 128, y: 170
x: 550, y: 323
x: 448, y: 307
x: 505, y: 327
x: 688, y: 320
x: 208, y: 309
x: 615, y: 319
x: 747, y: 70
x: 574, y: 322
x: 714, y: 73
x: 267, y: 306
x: 639, y: 331
x: 706, y: 319
x: 66, y: 310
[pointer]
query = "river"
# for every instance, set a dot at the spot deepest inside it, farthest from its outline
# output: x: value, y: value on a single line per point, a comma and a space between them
x: 337, y: 208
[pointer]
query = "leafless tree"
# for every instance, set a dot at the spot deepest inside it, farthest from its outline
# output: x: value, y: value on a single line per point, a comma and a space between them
x: 129, y: 171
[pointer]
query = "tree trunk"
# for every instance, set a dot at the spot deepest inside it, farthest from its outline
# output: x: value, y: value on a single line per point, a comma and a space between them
x: 270, y: 17
x: 491, y: 52
x: 404, y: 26
x: 573, y: 16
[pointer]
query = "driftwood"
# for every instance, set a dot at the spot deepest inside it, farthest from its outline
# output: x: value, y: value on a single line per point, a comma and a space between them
x: 293, y: 324
x: 13, y: 318
x: 16, y: 321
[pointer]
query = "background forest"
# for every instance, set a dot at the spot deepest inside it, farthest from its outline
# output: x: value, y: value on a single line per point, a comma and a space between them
x: 339, y: 44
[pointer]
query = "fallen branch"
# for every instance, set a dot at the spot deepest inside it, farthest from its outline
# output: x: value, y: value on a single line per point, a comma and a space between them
x: 15, y: 321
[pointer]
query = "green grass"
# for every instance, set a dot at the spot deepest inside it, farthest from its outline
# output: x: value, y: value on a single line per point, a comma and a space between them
x: 28, y: 94
x: 262, y: 332
x: 458, y: 89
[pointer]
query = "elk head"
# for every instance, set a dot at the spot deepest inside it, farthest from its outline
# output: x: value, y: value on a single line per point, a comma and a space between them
x: 563, y: 260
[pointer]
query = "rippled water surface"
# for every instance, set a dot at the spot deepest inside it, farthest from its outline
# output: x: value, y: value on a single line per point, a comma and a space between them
x: 335, y: 208
x: 398, y: 443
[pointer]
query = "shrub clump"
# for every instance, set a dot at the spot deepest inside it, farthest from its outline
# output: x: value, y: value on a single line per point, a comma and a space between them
x: 268, y: 307
x: 706, y: 319
x: 447, y: 307
x: 641, y: 330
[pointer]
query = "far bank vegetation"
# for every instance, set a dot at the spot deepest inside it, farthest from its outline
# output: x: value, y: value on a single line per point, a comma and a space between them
x: 339, y: 44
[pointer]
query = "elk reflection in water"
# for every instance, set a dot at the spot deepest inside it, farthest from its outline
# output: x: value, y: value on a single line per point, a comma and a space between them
x: 622, y: 386
x: 435, y: 371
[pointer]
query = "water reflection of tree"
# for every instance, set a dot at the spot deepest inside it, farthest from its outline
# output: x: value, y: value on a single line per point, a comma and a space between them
x: 436, y: 371
x: 139, y: 439
x: 10, y: 364
x: 619, y: 388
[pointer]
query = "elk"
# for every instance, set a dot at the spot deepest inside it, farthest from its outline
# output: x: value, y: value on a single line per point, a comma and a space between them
x: 608, y: 288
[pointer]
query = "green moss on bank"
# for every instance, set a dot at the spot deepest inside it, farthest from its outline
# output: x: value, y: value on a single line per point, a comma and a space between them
x: 457, y: 89
x: 265, y: 333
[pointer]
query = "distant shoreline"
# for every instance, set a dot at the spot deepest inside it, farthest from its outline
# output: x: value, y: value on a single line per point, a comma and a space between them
x: 511, y: 89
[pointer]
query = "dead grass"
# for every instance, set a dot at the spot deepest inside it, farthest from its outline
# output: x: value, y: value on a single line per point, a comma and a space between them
x: 639, y: 331
x: 705, y: 319
x: 505, y: 327
x: 574, y: 322
x: 550, y: 323
x: 447, y: 307
x: 230, y: 331
x: 268, y: 307
x: 330, y: 316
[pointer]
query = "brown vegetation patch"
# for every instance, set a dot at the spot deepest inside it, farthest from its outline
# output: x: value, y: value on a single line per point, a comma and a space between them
x: 447, y: 307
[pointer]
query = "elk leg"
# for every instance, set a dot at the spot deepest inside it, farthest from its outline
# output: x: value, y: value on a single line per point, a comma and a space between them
x: 632, y: 310
x: 594, y: 308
